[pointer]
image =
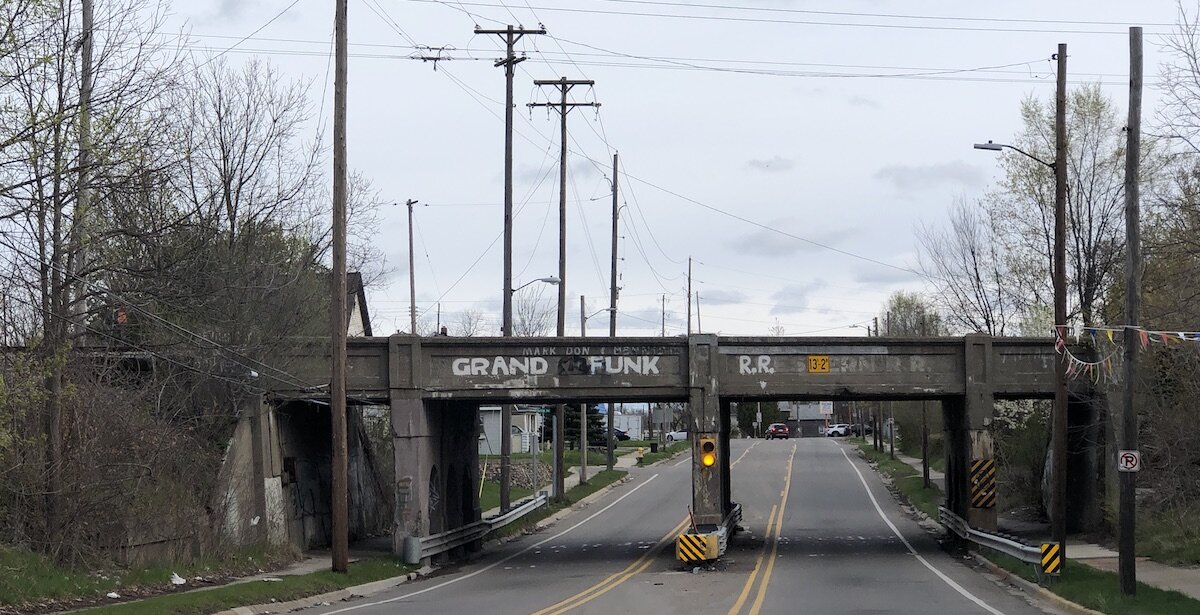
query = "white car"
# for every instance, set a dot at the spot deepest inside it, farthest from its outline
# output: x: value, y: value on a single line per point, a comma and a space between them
x: 840, y: 429
x: 675, y: 436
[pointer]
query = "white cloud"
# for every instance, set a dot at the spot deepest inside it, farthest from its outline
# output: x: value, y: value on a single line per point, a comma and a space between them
x: 909, y: 177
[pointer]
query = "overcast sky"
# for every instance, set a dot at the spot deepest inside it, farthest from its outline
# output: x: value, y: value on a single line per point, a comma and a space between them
x: 790, y: 148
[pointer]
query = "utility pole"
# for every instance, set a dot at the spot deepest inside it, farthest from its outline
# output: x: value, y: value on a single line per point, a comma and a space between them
x: 610, y: 458
x: 563, y: 107
x: 510, y: 35
x: 412, y: 279
x: 1127, y: 568
x: 583, y: 443
x: 689, y: 298
x: 699, y: 327
x: 337, y: 381
x: 1058, y: 517
x: 664, y: 315
x: 924, y: 426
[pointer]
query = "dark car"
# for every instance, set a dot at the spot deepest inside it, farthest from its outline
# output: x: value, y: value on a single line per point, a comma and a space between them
x: 860, y: 429
x: 778, y: 430
x: 619, y: 434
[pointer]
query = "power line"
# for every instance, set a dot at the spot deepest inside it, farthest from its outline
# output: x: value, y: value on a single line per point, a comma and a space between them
x: 799, y: 22
x: 879, y: 15
x: 245, y: 38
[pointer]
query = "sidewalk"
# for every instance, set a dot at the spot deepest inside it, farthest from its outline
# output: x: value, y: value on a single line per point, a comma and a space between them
x: 1183, y: 580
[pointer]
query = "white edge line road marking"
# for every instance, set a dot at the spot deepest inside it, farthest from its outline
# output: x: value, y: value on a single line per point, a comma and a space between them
x: 497, y: 563
x: 959, y: 588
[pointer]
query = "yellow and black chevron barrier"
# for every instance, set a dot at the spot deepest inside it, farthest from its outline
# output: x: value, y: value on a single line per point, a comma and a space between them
x: 1051, y: 558
x: 983, y: 483
x: 697, y: 547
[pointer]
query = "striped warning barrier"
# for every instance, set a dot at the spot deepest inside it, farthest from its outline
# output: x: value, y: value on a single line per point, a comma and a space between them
x: 1051, y: 558
x: 696, y: 547
x: 983, y: 483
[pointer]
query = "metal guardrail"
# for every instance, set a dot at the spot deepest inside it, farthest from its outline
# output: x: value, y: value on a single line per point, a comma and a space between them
x: 1012, y: 548
x: 419, y: 548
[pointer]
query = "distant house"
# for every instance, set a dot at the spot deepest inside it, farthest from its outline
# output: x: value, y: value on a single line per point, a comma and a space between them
x: 358, y: 318
x: 526, y: 421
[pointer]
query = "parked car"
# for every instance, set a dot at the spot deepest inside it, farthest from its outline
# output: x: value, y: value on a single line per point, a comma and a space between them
x: 838, y: 430
x: 858, y: 429
x: 778, y: 430
x: 674, y: 436
x: 619, y: 435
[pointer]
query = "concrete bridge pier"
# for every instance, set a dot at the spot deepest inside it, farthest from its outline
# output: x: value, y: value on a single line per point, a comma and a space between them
x: 710, y: 419
x: 970, y: 463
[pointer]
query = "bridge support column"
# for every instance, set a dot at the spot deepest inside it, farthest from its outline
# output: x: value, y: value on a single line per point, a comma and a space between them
x: 413, y: 445
x: 979, y: 408
x: 710, y: 485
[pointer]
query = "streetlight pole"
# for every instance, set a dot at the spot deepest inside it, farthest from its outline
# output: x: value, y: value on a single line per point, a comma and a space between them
x: 1058, y: 449
x: 1059, y: 432
x: 506, y: 412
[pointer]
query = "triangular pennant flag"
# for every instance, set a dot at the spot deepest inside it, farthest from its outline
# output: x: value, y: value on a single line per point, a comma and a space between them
x: 1075, y: 329
x: 1110, y: 336
x: 1145, y: 338
x: 1163, y: 336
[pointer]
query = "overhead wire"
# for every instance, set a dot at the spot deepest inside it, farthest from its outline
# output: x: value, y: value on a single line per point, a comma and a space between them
x: 725, y: 19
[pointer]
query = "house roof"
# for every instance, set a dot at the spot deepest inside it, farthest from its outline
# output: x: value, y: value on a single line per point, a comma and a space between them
x: 356, y: 295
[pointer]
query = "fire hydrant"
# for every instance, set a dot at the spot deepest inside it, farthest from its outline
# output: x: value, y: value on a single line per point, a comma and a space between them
x: 640, y: 451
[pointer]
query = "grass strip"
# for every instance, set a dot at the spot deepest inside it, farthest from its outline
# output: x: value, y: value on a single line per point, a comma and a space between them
x: 490, y: 498
x: 595, y: 483
x: 258, y: 592
x: 664, y: 452
x: 1100, y: 590
x: 907, y: 479
x: 28, y: 578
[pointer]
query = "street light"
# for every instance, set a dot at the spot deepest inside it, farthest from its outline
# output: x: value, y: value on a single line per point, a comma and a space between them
x: 550, y: 280
x: 583, y: 319
x: 996, y: 147
x: 1058, y: 449
x: 506, y: 416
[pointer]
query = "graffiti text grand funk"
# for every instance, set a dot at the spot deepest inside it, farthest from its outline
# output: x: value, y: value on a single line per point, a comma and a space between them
x: 577, y: 365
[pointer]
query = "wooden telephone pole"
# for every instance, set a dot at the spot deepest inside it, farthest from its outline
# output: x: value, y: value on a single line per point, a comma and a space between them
x: 510, y: 35
x: 1126, y: 567
x: 563, y: 107
x: 337, y: 383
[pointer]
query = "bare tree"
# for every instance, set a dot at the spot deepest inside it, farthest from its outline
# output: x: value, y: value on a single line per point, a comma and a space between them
x: 470, y: 323
x: 776, y: 329
x: 533, y: 314
x: 969, y: 271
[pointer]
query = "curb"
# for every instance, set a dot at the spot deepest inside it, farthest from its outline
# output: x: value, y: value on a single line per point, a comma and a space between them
x: 356, y: 591
x: 1026, y: 586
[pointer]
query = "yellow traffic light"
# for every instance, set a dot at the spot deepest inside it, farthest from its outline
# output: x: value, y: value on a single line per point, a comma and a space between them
x: 708, y: 451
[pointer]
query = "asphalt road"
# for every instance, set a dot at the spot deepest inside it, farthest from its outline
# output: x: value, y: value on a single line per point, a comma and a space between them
x: 824, y: 536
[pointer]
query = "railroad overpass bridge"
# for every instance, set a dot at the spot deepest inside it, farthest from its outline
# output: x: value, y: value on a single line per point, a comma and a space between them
x: 434, y: 386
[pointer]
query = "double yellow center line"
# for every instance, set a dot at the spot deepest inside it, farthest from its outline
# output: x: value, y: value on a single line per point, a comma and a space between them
x: 774, y: 524
x: 639, y: 565
x: 612, y: 581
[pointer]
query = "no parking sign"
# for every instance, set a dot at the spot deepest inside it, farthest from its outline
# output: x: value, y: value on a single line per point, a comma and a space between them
x: 1129, y: 461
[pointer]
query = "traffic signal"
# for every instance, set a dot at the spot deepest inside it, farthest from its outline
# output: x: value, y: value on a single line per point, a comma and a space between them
x: 708, y: 451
